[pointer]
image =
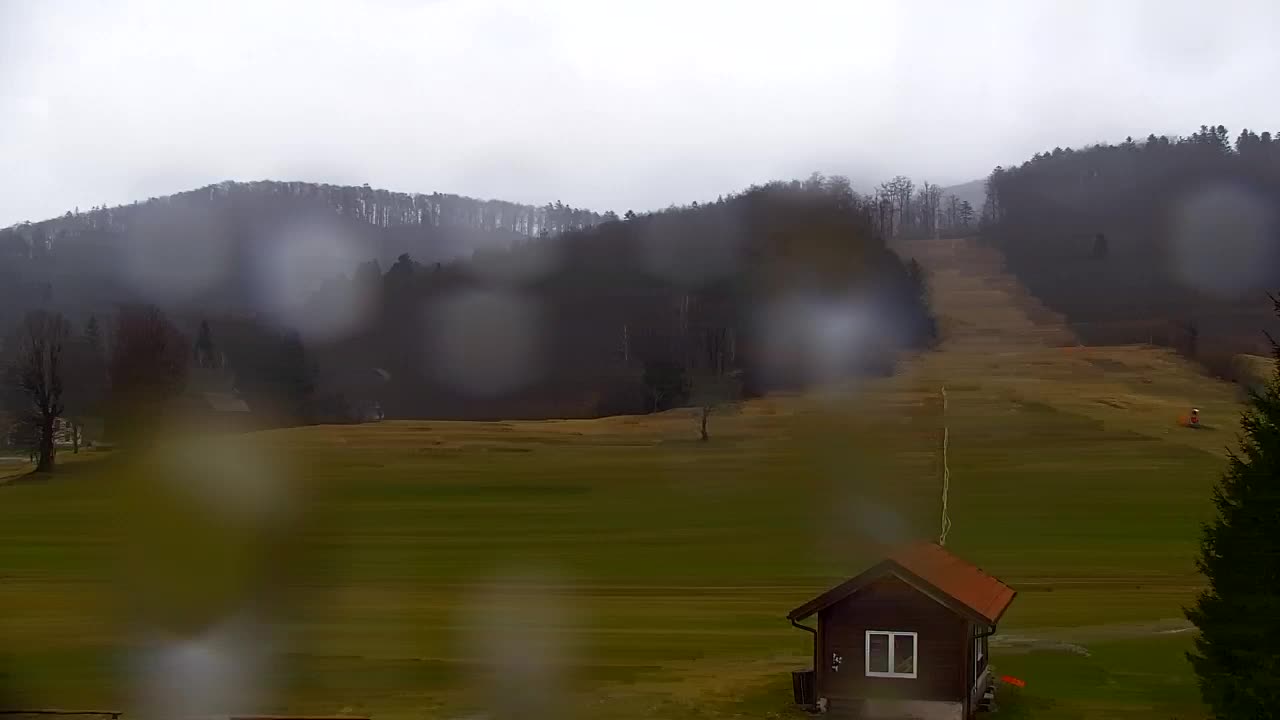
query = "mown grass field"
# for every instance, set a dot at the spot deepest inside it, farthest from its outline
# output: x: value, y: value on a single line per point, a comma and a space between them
x: 437, y: 569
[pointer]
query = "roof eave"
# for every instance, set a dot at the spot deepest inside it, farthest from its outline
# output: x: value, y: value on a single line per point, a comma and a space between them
x: 1006, y: 607
x: 938, y: 595
x: 851, y: 586
x: 839, y: 592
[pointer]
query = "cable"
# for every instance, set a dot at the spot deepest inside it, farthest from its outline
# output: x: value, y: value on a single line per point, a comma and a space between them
x: 946, y: 472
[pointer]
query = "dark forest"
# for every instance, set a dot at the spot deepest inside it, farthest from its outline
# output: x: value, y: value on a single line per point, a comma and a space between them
x: 446, y: 307
x: 1171, y: 240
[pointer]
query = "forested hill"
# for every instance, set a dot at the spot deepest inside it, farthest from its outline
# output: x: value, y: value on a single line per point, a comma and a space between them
x: 789, y: 283
x: 488, y: 310
x: 1174, y: 240
x: 973, y: 192
x: 200, y: 247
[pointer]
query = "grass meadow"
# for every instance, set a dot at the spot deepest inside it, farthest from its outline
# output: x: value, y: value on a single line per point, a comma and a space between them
x: 620, y: 568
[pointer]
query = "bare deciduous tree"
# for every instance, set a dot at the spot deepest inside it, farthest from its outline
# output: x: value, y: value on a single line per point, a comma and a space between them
x: 36, y: 375
x: 929, y: 205
x: 711, y: 391
x: 716, y: 384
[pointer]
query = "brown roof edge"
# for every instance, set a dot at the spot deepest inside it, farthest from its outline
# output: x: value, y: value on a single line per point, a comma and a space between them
x: 839, y: 592
x: 849, y: 587
x: 946, y: 598
x: 968, y: 584
x: 1005, y: 609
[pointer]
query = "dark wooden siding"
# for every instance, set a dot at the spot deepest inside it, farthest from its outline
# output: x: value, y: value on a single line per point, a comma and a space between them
x: 942, y: 650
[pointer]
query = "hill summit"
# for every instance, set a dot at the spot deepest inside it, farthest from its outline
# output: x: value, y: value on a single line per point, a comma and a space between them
x: 202, y: 246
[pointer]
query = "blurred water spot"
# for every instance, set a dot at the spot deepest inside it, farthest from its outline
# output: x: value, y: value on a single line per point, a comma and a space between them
x: 234, y: 479
x: 1224, y: 239
x: 299, y: 282
x: 859, y: 519
x: 485, y: 343
x: 878, y: 522
x: 818, y: 340
x: 175, y: 253
x: 222, y: 669
x: 204, y: 523
x: 518, y: 624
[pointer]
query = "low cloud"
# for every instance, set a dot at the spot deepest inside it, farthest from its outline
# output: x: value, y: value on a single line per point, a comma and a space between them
x: 602, y: 105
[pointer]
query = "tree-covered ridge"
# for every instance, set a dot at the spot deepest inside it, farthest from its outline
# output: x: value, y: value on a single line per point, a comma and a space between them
x: 376, y: 207
x: 763, y: 282
x: 1171, y: 239
x: 143, y: 252
x: 498, y: 310
x: 904, y: 211
x: 1097, y: 184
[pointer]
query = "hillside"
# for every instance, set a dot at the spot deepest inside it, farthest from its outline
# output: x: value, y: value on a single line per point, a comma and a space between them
x: 477, y: 310
x: 618, y: 568
x: 974, y: 192
x: 781, y: 282
x: 1001, y: 342
x: 208, y: 248
x: 1168, y: 240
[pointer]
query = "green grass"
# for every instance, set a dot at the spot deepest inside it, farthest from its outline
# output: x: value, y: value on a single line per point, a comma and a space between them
x: 659, y: 570
x: 1134, y: 678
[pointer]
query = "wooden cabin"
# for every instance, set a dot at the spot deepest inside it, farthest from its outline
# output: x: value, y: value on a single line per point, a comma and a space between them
x: 905, y: 639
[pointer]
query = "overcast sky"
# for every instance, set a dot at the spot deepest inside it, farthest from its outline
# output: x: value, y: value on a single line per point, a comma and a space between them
x: 598, y: 103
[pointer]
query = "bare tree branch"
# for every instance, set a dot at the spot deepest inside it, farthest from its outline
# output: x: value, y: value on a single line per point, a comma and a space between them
x: 37, y: 374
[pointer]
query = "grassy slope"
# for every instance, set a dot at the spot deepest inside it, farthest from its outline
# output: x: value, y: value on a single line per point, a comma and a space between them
x: 656, y: 572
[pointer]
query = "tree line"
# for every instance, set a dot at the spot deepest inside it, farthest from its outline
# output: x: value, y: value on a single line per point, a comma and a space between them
x: 633, y: 314
x: 628, y: 314
x: 133, y: 374
x: 1175, y: 239
x: 903, y: 210
x: 105, y: 256
x: 376, y: 207
x: 54, y: 376
x: 1169, y: 239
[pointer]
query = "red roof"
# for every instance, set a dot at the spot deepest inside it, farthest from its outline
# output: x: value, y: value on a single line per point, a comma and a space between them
x: 937, y: 569
x: 965, y: 583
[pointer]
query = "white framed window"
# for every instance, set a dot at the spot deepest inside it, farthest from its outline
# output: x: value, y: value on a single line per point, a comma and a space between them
x: 891, y: 654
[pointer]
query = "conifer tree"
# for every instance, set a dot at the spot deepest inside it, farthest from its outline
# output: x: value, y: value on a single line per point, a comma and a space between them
x: 1237, y: 653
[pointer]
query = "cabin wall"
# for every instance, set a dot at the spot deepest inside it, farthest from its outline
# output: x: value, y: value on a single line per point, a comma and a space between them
x: 942, y: 650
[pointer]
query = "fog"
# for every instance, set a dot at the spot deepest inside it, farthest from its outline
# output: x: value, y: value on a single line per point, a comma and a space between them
x: 599, y: 104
